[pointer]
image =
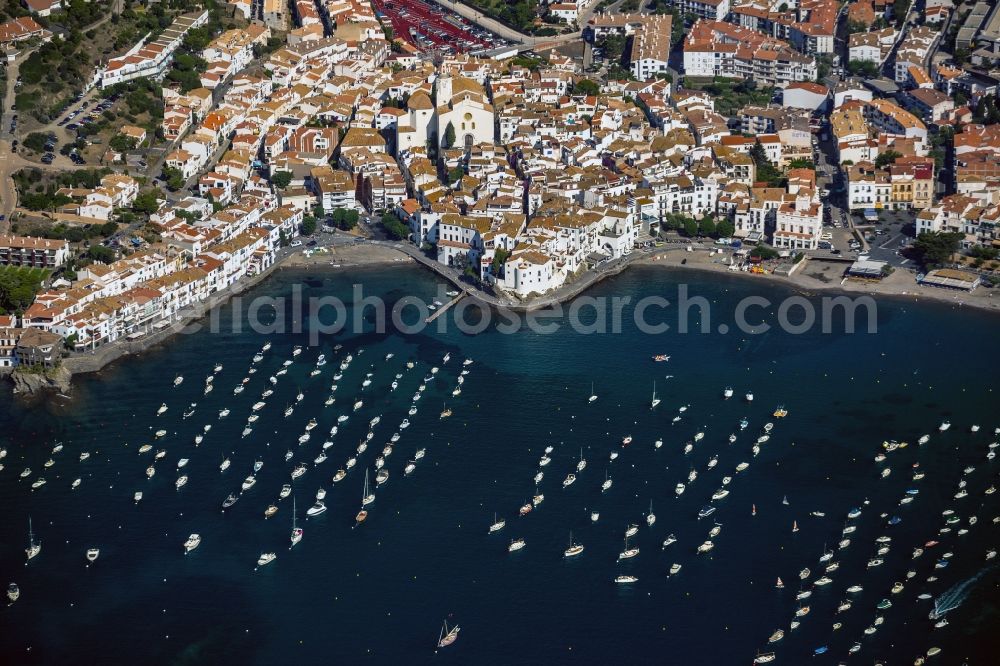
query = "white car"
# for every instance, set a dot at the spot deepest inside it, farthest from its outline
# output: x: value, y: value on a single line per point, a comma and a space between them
x: 296, y: 243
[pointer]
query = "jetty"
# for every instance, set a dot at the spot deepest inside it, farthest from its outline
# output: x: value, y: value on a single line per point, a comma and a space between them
x: 444, y: 308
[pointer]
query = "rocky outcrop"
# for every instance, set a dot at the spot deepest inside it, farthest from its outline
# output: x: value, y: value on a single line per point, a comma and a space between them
x: 30, y: 381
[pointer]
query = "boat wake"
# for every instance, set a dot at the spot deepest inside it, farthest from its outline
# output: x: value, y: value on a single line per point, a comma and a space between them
x: 955, y: 596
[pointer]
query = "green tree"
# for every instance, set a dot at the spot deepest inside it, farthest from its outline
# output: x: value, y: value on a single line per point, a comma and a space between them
x: 899, y: 11
x: 886, y: 158
x: 765, y: 170
x: 934, y: 249
x: 345, y: 219
x: 394, y: 226
x: 146, y: 203
x: 281, y: 179
x: 725, y: 229
x: 691, y: 227
x: 456, y: 174
x: 864, y: 68
x: 100, y: 253
x: 449, y: 136
x: 174, y: 178
x: 121, y: 143
x: 707, y: 227
x: 500, y: 258
x: 586, y: 87
x: 764, y: 252
x: 308, y: 226
x: 35, y: 141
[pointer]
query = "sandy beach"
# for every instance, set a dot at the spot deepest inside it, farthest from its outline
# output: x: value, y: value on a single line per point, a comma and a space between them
x: 817, y: 276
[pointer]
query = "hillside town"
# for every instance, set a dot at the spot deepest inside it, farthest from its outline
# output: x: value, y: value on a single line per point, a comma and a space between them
x: 865, y: 134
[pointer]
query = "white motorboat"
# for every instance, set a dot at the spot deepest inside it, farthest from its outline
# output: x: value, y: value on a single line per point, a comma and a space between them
x: 162, y: 409
x: 93, y: 554
x: 749, y: 396
x: 727, y: 392
x: 266, y: 558
x: 515, y: 545
x: 225, y: 465
x: 138, y: 496
x: 944, y: 426
x: 181, y: 482
x: 316, y: 509
x: 249, y: 482
x: 192, y: 542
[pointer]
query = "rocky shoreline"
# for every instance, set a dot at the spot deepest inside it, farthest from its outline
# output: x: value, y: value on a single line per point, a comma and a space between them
x: 810, y: 279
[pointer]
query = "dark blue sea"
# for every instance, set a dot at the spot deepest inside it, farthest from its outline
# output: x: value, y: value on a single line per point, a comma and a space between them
x: 378, y: 593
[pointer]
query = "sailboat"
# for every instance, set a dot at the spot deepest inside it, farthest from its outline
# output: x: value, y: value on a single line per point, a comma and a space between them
x: 779, y: 584
x: 795, y: 526
x: 628, y: 553
x: 593, y: 396
x: 296, y: 530
x: 448, y: 636
x: 650, y: 517
x: 656, y: 400
x: 574, y: 548
x: 497, y: 525
x: 33, y: 547
x: 366, y: 499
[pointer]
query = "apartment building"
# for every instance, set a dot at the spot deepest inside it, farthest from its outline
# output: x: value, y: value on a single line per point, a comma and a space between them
x: 713, y: 48
x: 150, y: 59
x: 650, y: 51
x: 32, y: 251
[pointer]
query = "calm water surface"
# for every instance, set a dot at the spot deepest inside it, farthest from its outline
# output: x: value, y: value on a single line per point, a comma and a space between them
x: 378, y: 593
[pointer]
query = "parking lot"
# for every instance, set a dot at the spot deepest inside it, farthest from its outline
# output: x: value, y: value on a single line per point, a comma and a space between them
x: 429, y: 26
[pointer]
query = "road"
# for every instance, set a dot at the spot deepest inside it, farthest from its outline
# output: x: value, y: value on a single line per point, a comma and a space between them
x: 9, y: 162
x: 511, y: 35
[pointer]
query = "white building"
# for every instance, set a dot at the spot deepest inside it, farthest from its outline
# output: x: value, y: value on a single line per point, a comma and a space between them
x: 799, y: 224
x: 151, y: 60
